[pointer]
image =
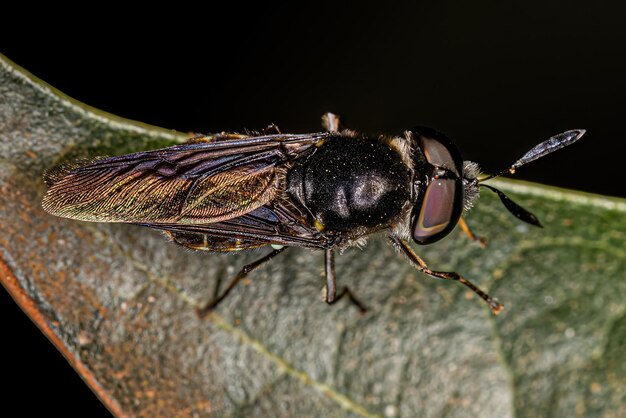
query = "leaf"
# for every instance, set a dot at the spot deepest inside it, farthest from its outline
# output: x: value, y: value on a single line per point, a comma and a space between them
x: 118, y: 301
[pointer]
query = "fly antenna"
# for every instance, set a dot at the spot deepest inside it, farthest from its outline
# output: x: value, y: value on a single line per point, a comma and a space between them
x: 517, y: 211
x: 546, y: 147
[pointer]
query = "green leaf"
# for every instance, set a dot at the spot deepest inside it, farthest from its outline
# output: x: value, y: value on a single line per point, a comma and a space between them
x: 118, y: 300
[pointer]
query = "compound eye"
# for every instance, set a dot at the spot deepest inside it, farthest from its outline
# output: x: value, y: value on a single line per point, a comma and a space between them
x: 437, y: 154
x: 438, y: 149
x: 439, y: 212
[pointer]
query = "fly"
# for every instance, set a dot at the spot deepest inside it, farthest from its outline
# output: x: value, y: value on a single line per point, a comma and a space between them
x: 323, y: 191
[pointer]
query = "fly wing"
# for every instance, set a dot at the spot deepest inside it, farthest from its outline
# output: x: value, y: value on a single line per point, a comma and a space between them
x: 194, y: 183
x: 280, y: 222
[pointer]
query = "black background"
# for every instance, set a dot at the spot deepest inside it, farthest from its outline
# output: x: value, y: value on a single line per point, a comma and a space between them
x: 497, y: 78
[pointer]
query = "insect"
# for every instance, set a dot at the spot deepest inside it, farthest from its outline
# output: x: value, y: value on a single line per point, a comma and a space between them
x: 323, y: 191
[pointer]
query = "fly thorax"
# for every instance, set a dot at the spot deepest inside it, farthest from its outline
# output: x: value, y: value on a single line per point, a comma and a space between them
x: 355, y: 184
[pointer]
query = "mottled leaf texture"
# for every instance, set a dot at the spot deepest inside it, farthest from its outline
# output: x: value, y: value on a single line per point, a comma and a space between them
x: 118, y: 300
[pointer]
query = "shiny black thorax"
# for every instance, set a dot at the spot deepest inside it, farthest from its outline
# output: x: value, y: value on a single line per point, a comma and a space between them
x: 352, y: 185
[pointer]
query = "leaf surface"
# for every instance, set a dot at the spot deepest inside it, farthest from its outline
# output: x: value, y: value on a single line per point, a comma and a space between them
x: 118, y: 300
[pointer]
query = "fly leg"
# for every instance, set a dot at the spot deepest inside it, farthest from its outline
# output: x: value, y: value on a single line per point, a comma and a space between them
x: 477, y: 239
x: 331, y: 295
x: 330, y: 122
x: 402, y: 245
x: 248, y: 268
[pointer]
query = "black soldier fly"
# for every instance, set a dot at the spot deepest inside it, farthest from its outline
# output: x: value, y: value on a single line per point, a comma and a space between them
x: 324, y: 191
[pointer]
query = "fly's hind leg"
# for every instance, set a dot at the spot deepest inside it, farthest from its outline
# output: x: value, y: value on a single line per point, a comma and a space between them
x: 247, y: 269
x: 331, y: 295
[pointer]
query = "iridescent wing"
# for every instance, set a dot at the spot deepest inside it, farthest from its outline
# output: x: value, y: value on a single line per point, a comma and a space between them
x: 195, y: 183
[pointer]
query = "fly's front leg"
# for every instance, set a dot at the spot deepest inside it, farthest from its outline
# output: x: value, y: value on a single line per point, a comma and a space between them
x: 331, y: 295
x: 403, y: 246
x: 466, y: 229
